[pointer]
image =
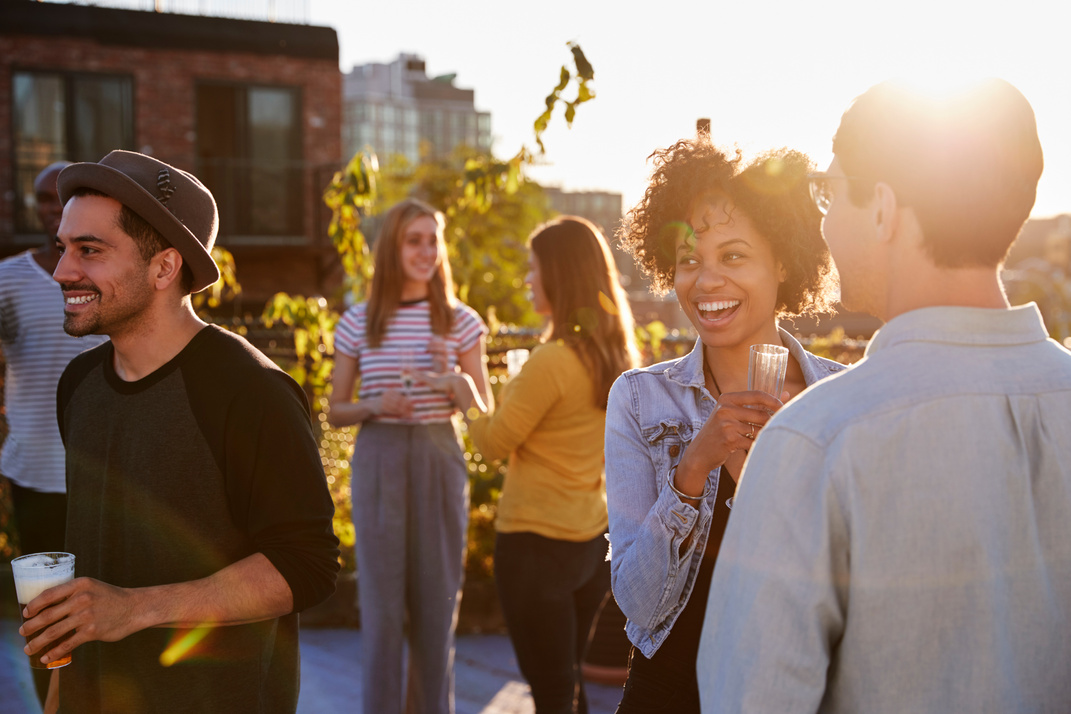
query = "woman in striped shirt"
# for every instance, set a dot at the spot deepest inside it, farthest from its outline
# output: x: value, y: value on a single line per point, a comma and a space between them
x: 409, y: 481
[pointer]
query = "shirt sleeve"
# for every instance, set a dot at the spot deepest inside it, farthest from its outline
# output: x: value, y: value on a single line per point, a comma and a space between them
x: 350, y: 331
x: 8, y: 317
x: 523, y: 403
x: 650, y: 527
x: 276, y: 487
x: 779, y: 596
x: 468, y: 329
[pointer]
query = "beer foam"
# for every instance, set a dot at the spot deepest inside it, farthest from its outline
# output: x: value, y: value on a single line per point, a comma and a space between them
x: 36, y: 573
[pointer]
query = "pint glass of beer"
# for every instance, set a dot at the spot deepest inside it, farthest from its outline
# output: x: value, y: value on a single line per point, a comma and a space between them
x: 34, y: 574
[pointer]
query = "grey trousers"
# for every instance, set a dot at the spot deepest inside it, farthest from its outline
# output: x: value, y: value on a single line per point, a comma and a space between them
x: 410, y: 494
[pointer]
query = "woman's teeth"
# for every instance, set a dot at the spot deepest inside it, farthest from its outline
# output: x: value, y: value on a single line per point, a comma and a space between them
x: 719, y: 305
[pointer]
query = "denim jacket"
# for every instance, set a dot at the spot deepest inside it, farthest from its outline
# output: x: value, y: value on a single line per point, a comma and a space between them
x: 650, y: 420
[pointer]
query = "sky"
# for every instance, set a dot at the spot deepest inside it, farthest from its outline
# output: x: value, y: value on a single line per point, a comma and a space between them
x: 768, y: 74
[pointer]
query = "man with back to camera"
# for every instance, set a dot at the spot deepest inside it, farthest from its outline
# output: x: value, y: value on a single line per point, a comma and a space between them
x: 197, y: 495
x: 899, y: 541
x: 36, y: 349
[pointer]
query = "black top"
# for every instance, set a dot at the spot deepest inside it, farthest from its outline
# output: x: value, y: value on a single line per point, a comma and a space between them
x: 683, y: 640
x: 208, y: 460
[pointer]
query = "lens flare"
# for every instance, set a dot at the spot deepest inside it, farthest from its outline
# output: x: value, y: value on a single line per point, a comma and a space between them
x: 182, y: 646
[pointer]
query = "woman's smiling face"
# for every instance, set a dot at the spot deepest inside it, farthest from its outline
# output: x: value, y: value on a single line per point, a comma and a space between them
x: 726, y: 276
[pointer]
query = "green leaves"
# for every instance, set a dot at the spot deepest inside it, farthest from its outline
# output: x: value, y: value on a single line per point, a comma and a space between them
x: 584, y: 74
x: 351, y: 190
x: 226, y: 288
x: 583, y: 67
x: 651, y: 336
x: 312, y: 323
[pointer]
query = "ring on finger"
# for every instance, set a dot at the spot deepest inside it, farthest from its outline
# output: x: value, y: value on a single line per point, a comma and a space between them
x: 751, y: 434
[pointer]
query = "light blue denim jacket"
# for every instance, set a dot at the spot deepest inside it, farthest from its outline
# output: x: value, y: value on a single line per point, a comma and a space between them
x: 652, y: 415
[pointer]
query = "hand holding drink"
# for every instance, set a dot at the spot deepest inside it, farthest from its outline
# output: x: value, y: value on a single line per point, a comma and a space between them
x: 35, y: 574
x: 738, y: 417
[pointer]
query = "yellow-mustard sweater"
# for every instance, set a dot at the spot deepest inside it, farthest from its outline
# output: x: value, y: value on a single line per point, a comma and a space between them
x: 547, y: 423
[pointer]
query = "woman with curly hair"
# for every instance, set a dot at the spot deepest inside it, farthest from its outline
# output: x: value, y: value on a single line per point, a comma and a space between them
x: 740, y: 245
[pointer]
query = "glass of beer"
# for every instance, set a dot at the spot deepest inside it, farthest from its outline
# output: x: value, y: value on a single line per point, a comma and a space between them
x: 34, y: 574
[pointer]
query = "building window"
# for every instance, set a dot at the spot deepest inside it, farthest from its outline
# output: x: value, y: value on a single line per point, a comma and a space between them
x: 249, y: 156
x: 65, y: 116
x: 483, y: 131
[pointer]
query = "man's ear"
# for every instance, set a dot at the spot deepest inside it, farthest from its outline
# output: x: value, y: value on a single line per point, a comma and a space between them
x: 885, y: 216
x: 167, y: 268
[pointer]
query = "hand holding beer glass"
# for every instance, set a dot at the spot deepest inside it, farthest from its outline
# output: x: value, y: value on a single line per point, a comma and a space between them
x: 35, y: 574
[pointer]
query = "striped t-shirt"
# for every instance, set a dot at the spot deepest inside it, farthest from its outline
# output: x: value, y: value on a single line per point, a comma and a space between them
x: 404, y: 347
x: 36, y: 350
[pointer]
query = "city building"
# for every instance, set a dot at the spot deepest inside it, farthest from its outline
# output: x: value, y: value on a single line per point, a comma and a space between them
x: 394, y: 109
x: 253, y: 108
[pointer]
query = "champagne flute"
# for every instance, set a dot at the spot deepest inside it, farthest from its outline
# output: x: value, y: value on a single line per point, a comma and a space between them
x: 766, y: 367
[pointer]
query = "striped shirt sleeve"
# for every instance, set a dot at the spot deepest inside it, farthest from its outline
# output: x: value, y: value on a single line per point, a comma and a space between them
x: 468, y: 328
x: 350, y: 332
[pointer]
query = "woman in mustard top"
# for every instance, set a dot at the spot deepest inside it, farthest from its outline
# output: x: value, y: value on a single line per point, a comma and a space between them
x: 550, y: 551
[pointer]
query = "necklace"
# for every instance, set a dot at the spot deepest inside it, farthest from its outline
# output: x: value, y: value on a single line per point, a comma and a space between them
x: 707, y: 372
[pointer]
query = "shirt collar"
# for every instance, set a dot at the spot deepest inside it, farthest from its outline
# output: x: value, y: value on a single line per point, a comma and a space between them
x: 689, y: 370
x: 963, y: 325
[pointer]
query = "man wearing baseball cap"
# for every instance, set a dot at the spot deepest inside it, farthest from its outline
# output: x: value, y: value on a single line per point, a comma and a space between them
x: 199, y: 514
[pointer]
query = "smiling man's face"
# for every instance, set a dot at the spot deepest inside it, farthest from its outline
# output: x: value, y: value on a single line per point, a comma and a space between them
x: 105, y: 281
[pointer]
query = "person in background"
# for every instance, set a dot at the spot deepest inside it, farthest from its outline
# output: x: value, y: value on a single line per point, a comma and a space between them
x: 409, y: 480
x: 550, y: 549
x: 900, y: 536
x: 36, y: 350
x: 740, y: 245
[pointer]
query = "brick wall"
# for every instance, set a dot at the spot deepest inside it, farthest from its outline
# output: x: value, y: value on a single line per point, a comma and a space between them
x: 164, y: 116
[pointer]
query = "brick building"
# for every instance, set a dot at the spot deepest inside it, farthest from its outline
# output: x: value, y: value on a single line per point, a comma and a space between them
x: 252, y: 108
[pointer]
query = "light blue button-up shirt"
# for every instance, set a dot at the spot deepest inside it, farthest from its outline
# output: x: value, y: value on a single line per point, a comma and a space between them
x: 656, y: 540
x: 901, y: 537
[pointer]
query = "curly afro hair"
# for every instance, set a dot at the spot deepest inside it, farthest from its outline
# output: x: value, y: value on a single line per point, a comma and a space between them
x: 771, y: 190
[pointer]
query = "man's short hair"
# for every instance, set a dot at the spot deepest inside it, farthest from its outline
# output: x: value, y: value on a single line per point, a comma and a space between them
x: 967, y: 163
x: 148, y: 240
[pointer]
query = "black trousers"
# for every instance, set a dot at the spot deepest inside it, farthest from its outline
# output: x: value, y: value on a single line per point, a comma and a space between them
x: 41, y: 523
x: 550, y: 592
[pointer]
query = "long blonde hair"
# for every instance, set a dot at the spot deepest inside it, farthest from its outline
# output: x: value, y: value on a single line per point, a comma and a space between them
x: 589, y: 310
x: 388, y: 277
